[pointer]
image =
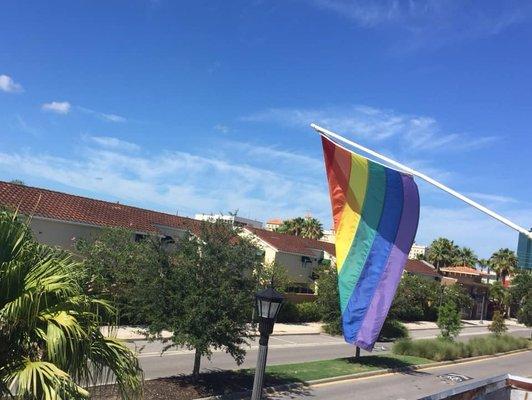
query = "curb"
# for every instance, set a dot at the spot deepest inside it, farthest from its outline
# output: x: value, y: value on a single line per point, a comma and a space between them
x: 288, y: 386
x: 143, y: 339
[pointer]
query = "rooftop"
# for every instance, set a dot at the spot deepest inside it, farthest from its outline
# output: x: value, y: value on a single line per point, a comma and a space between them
x: 421, y: 267
x: 292, y: 244
x: 462, y: 269
x: 67, y: 207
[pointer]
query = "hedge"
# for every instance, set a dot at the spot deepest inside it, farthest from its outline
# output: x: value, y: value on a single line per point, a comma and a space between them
x: 441, y: 349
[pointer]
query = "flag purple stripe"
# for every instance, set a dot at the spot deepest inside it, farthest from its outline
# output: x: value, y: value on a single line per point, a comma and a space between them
x: 383, y: 297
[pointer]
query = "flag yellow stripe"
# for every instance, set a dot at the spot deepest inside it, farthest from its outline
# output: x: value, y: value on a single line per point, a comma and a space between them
x: 358, y: 180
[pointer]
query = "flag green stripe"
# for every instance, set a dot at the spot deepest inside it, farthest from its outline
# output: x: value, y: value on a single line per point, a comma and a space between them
x: 365, y: 234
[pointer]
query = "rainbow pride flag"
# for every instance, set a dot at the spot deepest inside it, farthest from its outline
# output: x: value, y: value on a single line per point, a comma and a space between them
x: 375, y: 212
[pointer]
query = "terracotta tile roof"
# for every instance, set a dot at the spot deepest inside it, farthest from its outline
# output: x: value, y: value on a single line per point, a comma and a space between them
x: 66, y: 207
x: 292, y: 244
x: 275, y: 221
x: 463, y: 269
x: 421, y: 267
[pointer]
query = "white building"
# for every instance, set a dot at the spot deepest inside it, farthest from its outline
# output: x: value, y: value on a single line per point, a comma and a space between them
x: 273, y: 224
x: 329, y: 235
x: 235, y: 220
x: 417, y: 250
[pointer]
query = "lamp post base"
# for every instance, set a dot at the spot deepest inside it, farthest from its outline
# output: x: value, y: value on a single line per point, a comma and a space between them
x: 259, y: 372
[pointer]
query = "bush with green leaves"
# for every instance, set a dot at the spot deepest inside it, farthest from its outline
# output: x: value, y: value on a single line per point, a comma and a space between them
x: 416, y: 299
x: 328, y: 300
x: 50, y: 339
x: 392, y: 330
x: 497, y: 326
x: 299, y: 313
x: 521, y: 296
x: 208, y: 291
x: 449, y: 321
x: 441, y: 350
x: 124, y: 272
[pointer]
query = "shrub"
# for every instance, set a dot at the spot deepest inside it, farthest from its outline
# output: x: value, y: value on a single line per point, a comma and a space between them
x: 288, y: 313
x: 302, y: 312
x: 308, y: 312
x: 415, y: 299
x: 441, y: 350
x: 497, y: 326
x: 333, y: 328
x: 393, y: 329
x: 449, y: 321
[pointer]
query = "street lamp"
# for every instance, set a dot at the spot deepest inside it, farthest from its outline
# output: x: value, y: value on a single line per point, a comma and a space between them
x: 268, y: 302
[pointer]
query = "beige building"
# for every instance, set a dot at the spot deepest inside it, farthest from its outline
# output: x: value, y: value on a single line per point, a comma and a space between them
x: 416, y: 251
x: 273, y: 224
x: 299, y: 255
x: 59, y: 219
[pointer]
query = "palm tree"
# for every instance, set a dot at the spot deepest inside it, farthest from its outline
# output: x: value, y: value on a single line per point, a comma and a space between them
x: 485, y: 264
x: 503, y: 262
x: 305, y: 227
x: 50, y: 341
x: 466, y: 257
x: 442, y: 253
x: 312, y: 228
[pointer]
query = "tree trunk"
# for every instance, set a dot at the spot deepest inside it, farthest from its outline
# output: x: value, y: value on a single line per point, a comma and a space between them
x: 197, y: 362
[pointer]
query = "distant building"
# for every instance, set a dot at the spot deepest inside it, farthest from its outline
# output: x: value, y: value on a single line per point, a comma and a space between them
x: 471, y: 280
x: 329, y: 235
x: 273, y: 224
x: 235, y: 220
x: 299, y: 255
x: 422, y: 268
x: 59, y: 219
x: 416, y: 251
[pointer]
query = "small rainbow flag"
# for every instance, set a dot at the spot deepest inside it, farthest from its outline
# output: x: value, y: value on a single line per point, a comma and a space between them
x: 375, y: 212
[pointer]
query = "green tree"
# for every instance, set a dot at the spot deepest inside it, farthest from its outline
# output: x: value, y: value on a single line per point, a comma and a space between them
x: 503, y: 262
x: 305, y: 227
x: 17, y: 182
x: 497, y: 326
x: 328, y: 299
x: 272, y: 273
x: 499, y: 295
x: 442, y: 253
x: 521, y: 296
x: 209, y: 292
x: 485, y: 264
x: 466, y: 256
x: 124, y: 271
x: 449, y: 321
x: 458, y: 296
x: 416, y: 299
x: 50, y: 341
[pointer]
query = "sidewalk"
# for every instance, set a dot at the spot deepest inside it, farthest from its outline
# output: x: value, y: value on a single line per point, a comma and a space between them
x: 137, y: 333
x: 310, y: 328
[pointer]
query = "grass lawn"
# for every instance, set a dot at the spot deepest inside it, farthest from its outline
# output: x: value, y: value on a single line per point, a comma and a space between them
x: 308, y: 371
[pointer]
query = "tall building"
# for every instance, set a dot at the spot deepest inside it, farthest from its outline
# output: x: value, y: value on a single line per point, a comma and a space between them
x: 417, y: 250
x: 233, y: 219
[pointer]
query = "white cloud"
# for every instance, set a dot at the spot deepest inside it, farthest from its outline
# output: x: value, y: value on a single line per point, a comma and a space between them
x: 492, y: 198
x: 222, y: 128
x: 470, y: 227
x: 179, y: 180
x: 114, y: 143
x: 7, y: 84
x: 424, y: 23
x: 58, y: 107
x: 103, y: 116
x: 419, y: 132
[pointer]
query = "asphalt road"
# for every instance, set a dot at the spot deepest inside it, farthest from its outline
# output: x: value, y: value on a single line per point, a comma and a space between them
x: 414, y: 384
x: 282, y: 350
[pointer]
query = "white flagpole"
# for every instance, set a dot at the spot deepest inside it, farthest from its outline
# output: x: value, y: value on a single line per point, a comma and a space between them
x: 500, y: 218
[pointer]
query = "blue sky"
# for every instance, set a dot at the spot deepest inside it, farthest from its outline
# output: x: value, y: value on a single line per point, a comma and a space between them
x: 204, y: 106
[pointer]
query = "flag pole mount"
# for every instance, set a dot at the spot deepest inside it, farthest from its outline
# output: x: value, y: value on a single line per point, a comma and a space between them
x: 403, y: 168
